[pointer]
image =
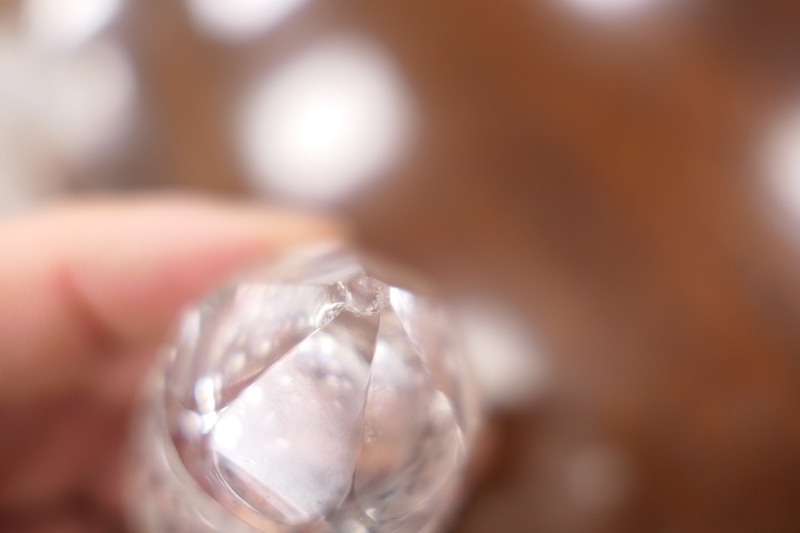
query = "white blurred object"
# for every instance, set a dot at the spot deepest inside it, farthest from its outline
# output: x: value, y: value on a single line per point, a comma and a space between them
x: 511, y: 369
x: 58, y: 112
x: 67, y: 22
x: 326, y: 123
x: 241, y: 19
x: 611, y: 9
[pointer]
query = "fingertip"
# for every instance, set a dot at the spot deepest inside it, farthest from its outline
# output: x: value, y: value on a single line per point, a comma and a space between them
x: 102, y: 274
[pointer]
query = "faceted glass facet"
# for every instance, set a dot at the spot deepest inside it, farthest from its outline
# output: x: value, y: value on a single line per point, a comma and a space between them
x: 310, y: 396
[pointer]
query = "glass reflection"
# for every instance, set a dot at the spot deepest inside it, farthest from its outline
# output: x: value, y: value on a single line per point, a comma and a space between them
x: 325, y: 124
x: 241, y: 19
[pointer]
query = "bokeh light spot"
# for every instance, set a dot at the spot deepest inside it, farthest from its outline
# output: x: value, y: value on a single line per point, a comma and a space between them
x: 511, y: 367
x: 611, y: 9
x: 782, y: 162
x: 60, y: 111
x: 322, y: 126
x: 68, y: 23
x: 241, y: 19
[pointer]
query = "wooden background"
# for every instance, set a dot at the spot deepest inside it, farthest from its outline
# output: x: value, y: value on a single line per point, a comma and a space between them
x: 602, y: 181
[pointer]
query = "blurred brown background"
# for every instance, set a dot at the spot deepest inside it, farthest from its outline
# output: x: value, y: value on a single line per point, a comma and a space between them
x: 601, y: 176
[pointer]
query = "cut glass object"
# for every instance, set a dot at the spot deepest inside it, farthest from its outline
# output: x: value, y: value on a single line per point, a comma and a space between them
x: 309, y: 395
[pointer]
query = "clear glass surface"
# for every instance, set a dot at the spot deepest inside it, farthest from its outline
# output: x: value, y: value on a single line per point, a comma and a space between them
x: 309, y: 395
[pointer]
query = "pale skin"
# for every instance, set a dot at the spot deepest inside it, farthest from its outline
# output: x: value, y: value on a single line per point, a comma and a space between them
x: 88, y: 290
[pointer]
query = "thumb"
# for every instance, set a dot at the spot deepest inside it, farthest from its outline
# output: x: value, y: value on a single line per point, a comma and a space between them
x: 83, y: 281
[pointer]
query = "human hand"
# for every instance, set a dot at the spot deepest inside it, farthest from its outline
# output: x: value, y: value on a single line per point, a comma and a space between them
x: 87, y: 292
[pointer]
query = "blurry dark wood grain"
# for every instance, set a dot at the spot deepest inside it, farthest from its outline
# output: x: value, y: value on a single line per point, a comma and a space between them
x: 603, y: 185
